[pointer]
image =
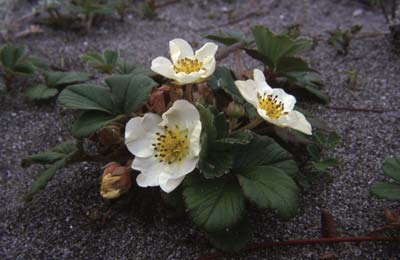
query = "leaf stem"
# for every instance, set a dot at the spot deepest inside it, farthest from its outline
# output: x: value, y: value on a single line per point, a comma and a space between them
x: 314, y: 241
x: 250, y: 125
x: 239, y: 65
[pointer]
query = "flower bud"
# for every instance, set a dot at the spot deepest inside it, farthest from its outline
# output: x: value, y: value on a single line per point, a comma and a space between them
x: 116, y: 180
x: 110, y: 134
x: 234, y: 110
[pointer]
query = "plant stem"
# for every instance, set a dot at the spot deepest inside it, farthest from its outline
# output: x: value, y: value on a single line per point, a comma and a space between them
x: 239, y: 65
x: 251, y: 125
x: 228, y: 50
x: 384, y: 11
x: 327, y: 240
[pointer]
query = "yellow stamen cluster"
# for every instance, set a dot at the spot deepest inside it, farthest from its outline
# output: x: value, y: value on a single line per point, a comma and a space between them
x: 188, y: 65
x: 172, y: 145
x: 271, y: 105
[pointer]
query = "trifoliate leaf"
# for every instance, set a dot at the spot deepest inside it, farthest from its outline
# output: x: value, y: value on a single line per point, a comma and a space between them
x: 91, y: 121
x: 270, y: 187
x: 386, y: 190
x: 59, y: 78
x: 87, y: 97
x: 130, y: 92
x: 216, y: 204
x: 391, y: 168
x: 223, y: 79
x: 40, y: 92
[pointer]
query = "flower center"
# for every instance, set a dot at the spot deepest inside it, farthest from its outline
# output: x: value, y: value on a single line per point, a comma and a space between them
x: 188, y: 65
x: 271, y: 105
x: 172, y: 145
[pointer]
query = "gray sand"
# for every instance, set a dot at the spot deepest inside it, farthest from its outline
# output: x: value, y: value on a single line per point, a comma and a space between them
x: 61, y: 222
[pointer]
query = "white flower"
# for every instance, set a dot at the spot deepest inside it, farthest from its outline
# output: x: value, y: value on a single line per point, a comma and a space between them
x: 273, y: 104
x: 186, y: 67
x: 166, y: 148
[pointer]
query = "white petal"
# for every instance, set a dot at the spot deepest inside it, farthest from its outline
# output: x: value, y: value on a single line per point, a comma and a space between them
x: 258, y: 75
x: 182, y: 113
x: 179, y: 169
x: 150, y: 171
x: 209, y: 65
x: 295, y: 120
x: 195, y: 135
x: 163, y: 66
x: 179, y: 49
x: 167, y: 184
x: 208, y: 50
x: 139, y: 134
x: 287, y: 99
x: 183, y: 78
x: 248, y: 89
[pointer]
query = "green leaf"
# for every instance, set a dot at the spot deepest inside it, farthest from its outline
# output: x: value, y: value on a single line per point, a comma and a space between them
x: 262, y: 150
x: 38, y: 63
x: 221, y: 124
x: 238, y: 138
x: 10, y: 55
x: 292, y: 64
x: 228, y: 37
x: 234, y: 238
x: 223, y: 79
x: 23, y: 68
x: 261, y: 57
x: 216, y: 158
x: 314, y: 152
x: 86, y: 97
x: 215, y: 204
x: 207, y: 121
x: 130, y: 92
x: 327, y: 140
x: 58, y: 78
x: 311, y: 82
x: 40, y: 92
x: 134, y: 69
x: 43, y: 179
x: 215, y: 162
x: 270, y: 187
x: 325, y: 164
x: 104, y: 62
x: 391, y: 168
x: 91, y: 121
x: 385, y: 190
x: 277, y: 46
x: 58, y: 152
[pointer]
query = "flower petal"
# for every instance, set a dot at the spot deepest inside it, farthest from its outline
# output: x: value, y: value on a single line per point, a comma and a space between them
x: 167, y: 184
x: 150, y: 171
x: 139, y: 134
x: 208, y: 50
x: 295, y: 120
x: 183, y: 78
x: 209, y: 65
x: 195, y: 135
x: 179, y: 49
x: 164, y: 67
x: 287, y: 99
x: 258, y: 75
x: 248, y: 89
x: 183, y: 114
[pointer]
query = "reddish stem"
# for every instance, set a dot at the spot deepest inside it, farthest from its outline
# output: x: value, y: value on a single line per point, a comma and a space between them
x: 328, y: 240
x: 239, y: 65
x: 166, y: 3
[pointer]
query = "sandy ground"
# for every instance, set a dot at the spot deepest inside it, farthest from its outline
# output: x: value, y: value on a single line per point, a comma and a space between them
x: 62, y: 221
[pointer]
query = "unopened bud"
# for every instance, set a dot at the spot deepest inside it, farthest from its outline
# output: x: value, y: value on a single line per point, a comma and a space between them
x: 234, y: 110
x: 110, y: 134
x: 116, y: 180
